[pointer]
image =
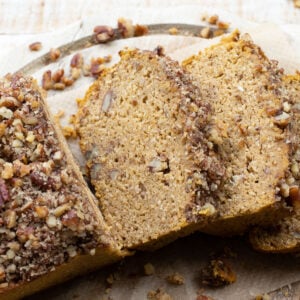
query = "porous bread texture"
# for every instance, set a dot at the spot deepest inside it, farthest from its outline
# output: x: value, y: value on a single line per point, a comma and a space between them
x: 142, y: 128
x: 247, y: 127
x: 49, y: 222
x: 284, y: 235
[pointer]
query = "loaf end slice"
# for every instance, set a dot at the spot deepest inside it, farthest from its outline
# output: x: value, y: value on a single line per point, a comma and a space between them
x: 284, y: 235
x: 51, y: 228
x: 248, y: 128
x: 142, y: 128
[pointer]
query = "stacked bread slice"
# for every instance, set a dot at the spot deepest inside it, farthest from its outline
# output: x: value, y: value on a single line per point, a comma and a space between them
x: 284, y: 235
x: 50, y: 226
x: 164, y: 165
x: 248, y: 128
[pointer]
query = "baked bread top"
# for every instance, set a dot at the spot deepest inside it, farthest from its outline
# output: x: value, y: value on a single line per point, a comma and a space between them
x: 247, y: 126
x: 143, y: 130
x: 47, y: 214
x: 284, y: 235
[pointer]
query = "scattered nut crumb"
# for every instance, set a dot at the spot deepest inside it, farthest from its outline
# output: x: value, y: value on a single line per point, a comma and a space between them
x: 47, y: 83
x: 126, y: 28
x: 222, y: 25
x: 159, y: 294
x: 218, y: 273
x: 213, y: 19
x: 59, y: 86
x: 176, y: 279
x: 69, y: 132
x: 218, y: 32
x: 140, y: 30
x: 205, y: 33
x: 57, y: 75
x: 149, y: 269
x: 103, y: 34
x: 173, y: 31
x: 77, y: 61
x: 37, y: 46
x: 54, y: 54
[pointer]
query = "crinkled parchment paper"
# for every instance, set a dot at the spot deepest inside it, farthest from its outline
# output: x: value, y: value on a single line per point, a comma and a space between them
x: 256, y: 273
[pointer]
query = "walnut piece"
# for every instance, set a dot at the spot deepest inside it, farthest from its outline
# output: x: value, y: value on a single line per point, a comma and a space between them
x: 36, y: 46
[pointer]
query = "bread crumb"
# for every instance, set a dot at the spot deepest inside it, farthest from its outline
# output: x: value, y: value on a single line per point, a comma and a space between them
x: 37, y: 46
x: 173, y: 31
x: 205, y: 33
x: 176, y: 279
x: 149, y: 269
x: 218, y: 273
x: 213, y: 19
x: 140, y: 30
x: 69, y: 132
x: 159, y: 294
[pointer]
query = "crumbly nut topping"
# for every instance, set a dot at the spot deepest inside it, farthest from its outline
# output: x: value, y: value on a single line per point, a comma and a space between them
x: 44, y: 215
x: 36, y: 46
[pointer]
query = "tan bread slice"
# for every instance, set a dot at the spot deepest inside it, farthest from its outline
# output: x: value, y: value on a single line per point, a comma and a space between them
x: 244, y: 89
x: 51, y: 228
x: 143, y: 128
x: 284, y: 236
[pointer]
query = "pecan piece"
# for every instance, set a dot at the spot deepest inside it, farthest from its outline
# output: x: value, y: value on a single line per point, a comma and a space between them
x: 103, y: 34
x: 36, y: 46
x: 71, y: 220
x: 4, y: 193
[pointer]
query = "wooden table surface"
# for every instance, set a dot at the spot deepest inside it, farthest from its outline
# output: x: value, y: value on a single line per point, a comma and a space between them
x: 36, y: 16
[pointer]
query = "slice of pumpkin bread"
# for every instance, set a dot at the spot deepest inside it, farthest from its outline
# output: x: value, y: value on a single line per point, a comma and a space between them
x: 247, y: 126
x: 50, y: 226
x: 284, y: 235
x: 143, y: 130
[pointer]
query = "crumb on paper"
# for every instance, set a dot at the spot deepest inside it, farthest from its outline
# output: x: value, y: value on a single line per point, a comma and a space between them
x: 36, y: 46
x: 213, y: 19
x: 175, y: 278
x: 205, y: 32
x: 218, y: 32
x: 159, y: 294
x: 54, y: 54
x: 149, y: 269
x: 173, y: 31
x: 218, y: 273
x: 140, y: 30
x: 69, y: 132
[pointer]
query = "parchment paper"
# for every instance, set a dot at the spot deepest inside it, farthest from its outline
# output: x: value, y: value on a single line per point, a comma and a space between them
x: 256, y: 273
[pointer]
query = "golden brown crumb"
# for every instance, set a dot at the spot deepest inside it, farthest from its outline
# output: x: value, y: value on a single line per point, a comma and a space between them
x: 69, y: 132
x: 35, y: 46
x: 159, y: 294
x: 149, y: 269
x: 218, y: 273
x: 218, y: 32
x: 173, y: 31
x: 176, y: 279
x: 54, y: 54
x: 205, y: 33
x: 222, y: 25
x: 213, y: 19
x: 140, y: 30
x: 125, y: 27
